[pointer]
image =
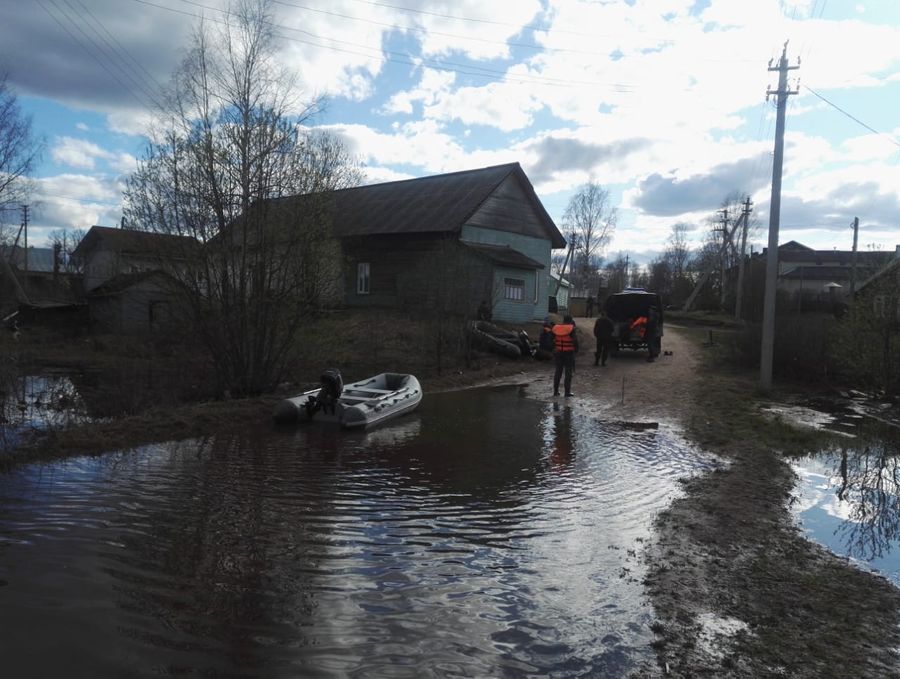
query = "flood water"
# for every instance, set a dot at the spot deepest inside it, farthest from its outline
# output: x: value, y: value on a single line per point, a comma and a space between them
x: 486, y: 535
x: 31, y: 402
x: 848, y: 495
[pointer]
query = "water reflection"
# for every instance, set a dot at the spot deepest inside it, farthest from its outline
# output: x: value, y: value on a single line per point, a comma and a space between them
x: 30, y: 402
x: 849, y: 497
x: 488, y: 535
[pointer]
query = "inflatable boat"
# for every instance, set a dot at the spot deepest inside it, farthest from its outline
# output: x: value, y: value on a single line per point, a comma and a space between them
x: 356, y: 405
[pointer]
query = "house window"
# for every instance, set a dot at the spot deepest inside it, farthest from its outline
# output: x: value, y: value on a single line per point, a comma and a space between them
x: 514, y: 289
x: 362, y: 278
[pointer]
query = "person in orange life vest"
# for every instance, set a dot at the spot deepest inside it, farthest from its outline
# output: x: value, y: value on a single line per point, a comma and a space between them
x: 565, y: 347
x: 639, y: 324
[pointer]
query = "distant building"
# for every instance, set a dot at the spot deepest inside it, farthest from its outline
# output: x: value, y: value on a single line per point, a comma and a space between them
x: 803, y: 271
x: 36, y: 279
x: 126, y: 282
x: 558, y: 291
x: 106, y: 252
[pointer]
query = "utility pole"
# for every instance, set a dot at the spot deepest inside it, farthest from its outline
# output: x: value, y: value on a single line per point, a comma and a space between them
x: 562, y: 272
x: 25, y: 227
x: 767, y: 350
x: 722, y: 257
x: 739, y: 293
x: 853, y: 260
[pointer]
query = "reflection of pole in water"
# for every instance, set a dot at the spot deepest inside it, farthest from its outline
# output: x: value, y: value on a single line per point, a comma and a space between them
x: 623, y: 389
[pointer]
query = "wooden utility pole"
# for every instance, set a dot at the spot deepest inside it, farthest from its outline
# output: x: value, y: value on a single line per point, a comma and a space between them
x: 25, y: 227
x: 565, y: 264
x: 723, y: 255
x: 739, y: 292
x: 767, y: 350
x: 853, y: 260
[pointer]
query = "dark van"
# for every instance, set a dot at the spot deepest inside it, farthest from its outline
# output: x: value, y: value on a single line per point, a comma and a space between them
x: 623, y: 308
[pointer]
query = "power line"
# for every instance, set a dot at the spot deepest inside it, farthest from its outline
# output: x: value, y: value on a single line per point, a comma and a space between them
x: 122, y: 48
x: 535, y: 27
x: 405, y: 58
x: 428, y: 31
x: 853, y: 118
x: 86, y: 48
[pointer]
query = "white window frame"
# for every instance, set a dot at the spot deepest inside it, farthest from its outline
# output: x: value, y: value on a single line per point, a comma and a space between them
x: 363, y: 278
x: 514, y: 289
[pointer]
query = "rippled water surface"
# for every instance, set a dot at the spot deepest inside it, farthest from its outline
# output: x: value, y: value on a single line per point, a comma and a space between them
x: 848, y: 497
x: 486, y: 535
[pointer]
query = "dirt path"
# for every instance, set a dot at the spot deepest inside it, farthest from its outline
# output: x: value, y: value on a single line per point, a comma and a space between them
x: 628, y: 386
x: 737, y: 590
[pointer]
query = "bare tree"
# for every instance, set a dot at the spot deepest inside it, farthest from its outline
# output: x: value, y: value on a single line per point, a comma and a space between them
x: 592, y: 218
x: 19, y: 150
x: 67, y: 240
x: 617, y: 274
x: 677, y: 257
x: 234, y: 172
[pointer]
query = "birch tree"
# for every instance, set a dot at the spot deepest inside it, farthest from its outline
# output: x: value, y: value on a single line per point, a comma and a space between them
x: 591, y: 216
x: 19, y: 150
x: 232, y: 167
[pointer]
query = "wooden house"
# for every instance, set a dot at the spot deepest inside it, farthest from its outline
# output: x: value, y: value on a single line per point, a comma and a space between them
x: 880, y: 294
x: 135, y: 303
x: 813, y: 274
x: 447, y: 243
x: 105, y: 253
x: 125, y: 282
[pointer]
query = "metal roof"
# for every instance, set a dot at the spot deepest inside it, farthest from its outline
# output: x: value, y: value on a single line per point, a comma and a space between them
x: 503, y: 255
x: 434, y: 204
x: 135, y: 242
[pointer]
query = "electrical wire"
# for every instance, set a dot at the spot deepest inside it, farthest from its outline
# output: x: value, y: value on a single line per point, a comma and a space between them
x: 81, y: 44
x: 852, y: 117
x: 408, y: 59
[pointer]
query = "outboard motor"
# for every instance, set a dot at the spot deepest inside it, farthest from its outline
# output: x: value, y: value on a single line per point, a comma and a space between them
x: 524, y: 343
x: 331, y: 386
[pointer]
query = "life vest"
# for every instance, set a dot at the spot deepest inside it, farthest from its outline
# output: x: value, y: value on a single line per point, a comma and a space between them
x: 639, y: 324
x: 562, y: 334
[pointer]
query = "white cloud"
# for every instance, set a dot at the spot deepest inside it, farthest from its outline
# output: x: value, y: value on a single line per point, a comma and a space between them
x: 75, y: 201
x: 77, y: 153
x: 83, y: 154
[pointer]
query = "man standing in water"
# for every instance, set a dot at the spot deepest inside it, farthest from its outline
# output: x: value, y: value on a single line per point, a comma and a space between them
x: 565, y: 347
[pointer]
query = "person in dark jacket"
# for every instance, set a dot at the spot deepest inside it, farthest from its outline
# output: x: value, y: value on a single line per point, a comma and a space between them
x: 546, y: 341
x: 603, y: 331
x: 565, y: 347
x: 651, y: 334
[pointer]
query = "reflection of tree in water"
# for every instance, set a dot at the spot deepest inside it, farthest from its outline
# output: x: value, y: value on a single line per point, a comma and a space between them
x: 33, y: 402
x: 222, y: 548
x: 869, y: 476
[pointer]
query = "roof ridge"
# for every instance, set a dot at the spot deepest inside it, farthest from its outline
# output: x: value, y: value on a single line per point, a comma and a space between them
x: 429, y: 176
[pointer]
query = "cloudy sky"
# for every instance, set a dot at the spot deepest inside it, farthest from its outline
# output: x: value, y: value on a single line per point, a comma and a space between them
x: 663, y: 102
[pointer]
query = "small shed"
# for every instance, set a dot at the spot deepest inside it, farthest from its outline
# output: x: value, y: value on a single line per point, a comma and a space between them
x: 559, y: 290
x: 137, y: 303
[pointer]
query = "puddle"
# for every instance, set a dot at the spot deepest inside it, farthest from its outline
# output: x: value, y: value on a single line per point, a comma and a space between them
x: 848, y: 497
x: 486, y: 535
